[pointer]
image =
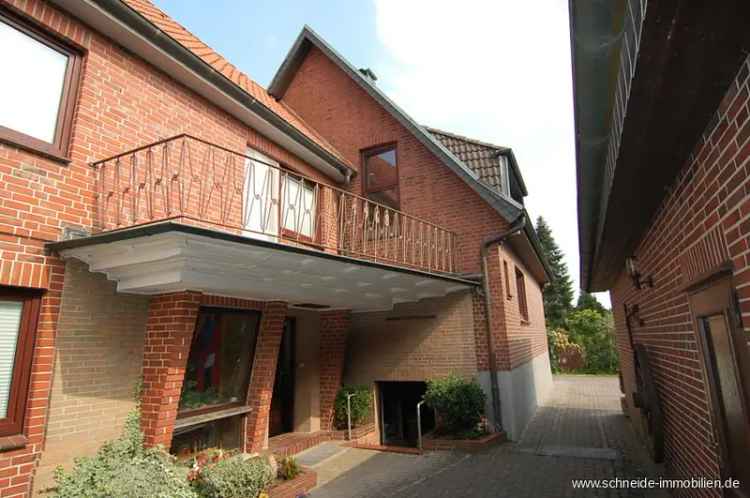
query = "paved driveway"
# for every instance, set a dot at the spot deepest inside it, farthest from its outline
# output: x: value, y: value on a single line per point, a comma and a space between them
x: 580, y: 433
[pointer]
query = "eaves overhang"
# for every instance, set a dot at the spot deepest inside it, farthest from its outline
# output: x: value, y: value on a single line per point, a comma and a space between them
x: 132, y: 31
x: 634, y: 135
x: 171, y: 257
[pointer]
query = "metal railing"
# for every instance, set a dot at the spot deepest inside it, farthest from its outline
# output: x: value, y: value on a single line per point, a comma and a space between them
x: 191, y: 180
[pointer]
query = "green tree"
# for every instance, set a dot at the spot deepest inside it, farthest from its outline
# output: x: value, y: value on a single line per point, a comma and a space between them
x: 587, y: 301
x: 594, y: 331
x: 558, y: 295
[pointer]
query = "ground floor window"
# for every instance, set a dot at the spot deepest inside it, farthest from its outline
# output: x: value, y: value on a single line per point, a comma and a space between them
x: 220, y: 361
x: 217, y: 377
x: 19, y: 311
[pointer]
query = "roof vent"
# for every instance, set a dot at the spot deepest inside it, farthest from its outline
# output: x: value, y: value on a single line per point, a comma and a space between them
x: 369, y: 74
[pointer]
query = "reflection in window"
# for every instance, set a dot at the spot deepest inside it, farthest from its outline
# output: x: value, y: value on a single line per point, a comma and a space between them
x: 381, y: 176
x: 220, y: 361
x: 32, y: 85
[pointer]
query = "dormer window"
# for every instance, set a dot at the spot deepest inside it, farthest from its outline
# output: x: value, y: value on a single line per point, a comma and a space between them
x: 381, y: 175
x: 504, y: 175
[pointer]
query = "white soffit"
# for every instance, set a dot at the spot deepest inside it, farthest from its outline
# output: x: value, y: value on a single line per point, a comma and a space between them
x: 177, y: 261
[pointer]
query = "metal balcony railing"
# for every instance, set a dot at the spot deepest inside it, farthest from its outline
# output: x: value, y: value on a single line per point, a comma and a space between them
x: 187, y: 179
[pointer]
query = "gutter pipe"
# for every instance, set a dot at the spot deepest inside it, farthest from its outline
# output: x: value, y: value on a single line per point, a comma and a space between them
x: 516, y: 227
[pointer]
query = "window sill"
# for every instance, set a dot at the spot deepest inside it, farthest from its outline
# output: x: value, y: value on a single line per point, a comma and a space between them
x: 8, y: 443
x: 29, y: 146
x: 525, y: 323
x: 202, y: 418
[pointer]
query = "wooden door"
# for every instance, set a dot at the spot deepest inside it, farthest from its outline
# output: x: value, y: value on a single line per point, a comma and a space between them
x: 726, y: 359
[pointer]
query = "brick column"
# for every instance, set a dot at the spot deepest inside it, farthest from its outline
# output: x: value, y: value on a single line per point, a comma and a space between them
x: 169, y: 331
x: 334, y: 328
x: 264, y: 373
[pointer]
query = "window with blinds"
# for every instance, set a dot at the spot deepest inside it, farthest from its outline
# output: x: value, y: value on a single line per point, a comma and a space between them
x: 10, y: 323
x: 19, y: 311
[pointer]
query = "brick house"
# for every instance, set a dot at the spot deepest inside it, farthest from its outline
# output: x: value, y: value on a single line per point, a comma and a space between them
x: 237, y: 252
x: 661, y: 107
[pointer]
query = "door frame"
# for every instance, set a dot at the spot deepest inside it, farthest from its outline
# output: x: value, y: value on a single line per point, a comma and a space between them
x: 715, y: 294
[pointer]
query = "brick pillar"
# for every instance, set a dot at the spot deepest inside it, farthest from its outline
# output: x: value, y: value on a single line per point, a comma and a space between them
x: 169, y: 330
x: 264, y: 372
x: 334, y: 328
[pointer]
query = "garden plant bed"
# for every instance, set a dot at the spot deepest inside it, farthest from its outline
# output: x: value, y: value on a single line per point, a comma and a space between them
x: 432, y: 442
x: 299, y: 486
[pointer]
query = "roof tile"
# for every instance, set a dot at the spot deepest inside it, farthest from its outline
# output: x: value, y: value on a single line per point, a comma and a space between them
x: 180, y: 34
x: 480, y: 157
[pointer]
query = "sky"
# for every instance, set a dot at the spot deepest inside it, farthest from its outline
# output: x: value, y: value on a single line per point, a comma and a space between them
x: 498, y: 71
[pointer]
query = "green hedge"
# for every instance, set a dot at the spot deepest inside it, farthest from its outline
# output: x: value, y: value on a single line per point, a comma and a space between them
x: 459, y: 403
x: 361, y: 404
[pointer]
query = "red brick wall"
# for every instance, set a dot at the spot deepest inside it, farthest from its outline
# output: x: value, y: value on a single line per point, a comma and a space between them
x: 704, y: 219
x: 351, y: 120
x: 264, y: 374
x: 169, y: 333
x: 334, y: 329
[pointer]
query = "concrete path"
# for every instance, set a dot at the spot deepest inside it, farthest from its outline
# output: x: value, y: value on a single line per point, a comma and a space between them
x: 579, y: 433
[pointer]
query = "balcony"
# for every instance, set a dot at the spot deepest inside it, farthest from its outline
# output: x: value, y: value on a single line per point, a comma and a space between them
x: 185, y: 214
x: 192, y: 181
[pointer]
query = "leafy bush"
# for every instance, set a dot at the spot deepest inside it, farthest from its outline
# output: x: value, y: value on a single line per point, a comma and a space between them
x: 234, y: 477
x: 594, y: 331
x: 289, y: 468
x: 123, y: 468
x: 561, y: 349
x: 458, y: 402
x: 361, y: 404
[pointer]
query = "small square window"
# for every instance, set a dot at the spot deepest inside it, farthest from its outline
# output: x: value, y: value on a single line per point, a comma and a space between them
x: 381, y: 176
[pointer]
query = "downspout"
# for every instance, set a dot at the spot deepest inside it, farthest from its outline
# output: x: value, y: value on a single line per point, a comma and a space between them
x: 515, y: 227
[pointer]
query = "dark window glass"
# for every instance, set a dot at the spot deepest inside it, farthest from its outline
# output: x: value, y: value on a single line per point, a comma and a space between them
x: 523, y: 306
x: 220, y: 361
x: 381, y: 176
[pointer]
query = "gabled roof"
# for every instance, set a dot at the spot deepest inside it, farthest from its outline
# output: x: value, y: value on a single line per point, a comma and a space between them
x: 176, y: 32
x: 507, y: 207
x: 482, y: 157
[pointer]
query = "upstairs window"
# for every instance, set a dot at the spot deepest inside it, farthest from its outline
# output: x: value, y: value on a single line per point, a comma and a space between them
x: 37, y: 90
x: 298, y: 207
x: 381, y: 176
x: 523, y: 306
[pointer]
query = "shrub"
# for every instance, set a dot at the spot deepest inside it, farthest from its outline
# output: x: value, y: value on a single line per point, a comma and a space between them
x: 458, y: 402
x: 123, y: 468
x: 564, y: 355
x: 234, y: 477
x: 289, y: 468
x: 594, y: 331
x: 361, y: 405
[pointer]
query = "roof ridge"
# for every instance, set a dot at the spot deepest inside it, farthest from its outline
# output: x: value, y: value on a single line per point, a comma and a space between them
x: 501, y: 148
